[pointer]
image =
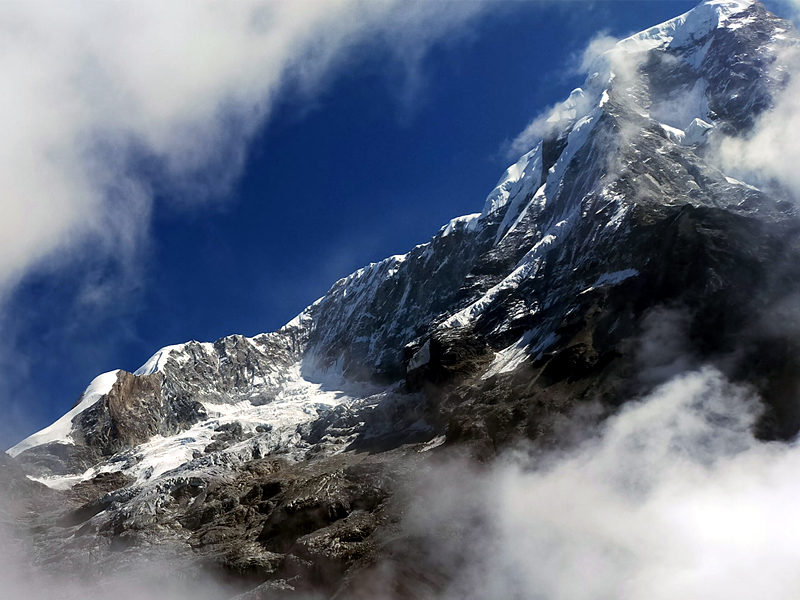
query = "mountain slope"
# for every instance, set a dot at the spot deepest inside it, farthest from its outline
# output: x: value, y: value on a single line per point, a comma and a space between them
x: 613, y: 254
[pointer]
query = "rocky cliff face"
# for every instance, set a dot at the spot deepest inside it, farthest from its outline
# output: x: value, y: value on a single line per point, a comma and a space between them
x: 608, y: 257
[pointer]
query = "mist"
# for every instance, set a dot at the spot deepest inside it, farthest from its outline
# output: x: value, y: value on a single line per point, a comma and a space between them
x: 674, y: 498
x: 768, y: 154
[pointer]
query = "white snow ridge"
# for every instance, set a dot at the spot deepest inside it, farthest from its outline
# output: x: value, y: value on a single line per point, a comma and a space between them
x: 60, y: 430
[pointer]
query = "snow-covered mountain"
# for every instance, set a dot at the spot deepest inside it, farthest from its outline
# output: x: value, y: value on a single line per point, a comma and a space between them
x: 616, y: 219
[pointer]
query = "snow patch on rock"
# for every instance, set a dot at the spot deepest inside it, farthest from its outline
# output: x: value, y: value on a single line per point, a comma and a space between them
x: 60, y: 431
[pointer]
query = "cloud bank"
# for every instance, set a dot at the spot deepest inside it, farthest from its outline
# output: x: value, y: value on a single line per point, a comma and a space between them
x: 673, y: 499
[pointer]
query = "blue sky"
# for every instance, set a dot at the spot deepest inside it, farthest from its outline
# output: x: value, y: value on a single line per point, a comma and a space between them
x: 372, y: 161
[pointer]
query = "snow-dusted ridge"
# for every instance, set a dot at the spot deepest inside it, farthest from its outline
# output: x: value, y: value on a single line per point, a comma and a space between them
x: 688, y: 28
x: 60, y: 431
x: 265, y: 428
x: 157, y: 362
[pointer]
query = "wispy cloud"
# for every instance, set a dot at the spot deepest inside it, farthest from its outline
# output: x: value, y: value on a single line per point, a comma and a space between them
x: 598, y: 54
x: 769, y: 153
x: 106, y: 102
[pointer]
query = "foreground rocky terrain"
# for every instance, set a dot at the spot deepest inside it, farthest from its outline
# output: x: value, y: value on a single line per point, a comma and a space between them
x: 613, y: 255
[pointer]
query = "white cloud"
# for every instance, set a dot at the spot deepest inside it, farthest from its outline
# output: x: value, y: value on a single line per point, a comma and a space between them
x: 550, y: 122
x: 674, y: 499
x: 770, y: 152
x: 91, y: 88
x: 598, y: 45
x: 596, y: 61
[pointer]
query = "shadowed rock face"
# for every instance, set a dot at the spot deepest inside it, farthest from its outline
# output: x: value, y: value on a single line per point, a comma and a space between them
x: 619, y: 257
x: 130, y: 414
x: 134, y: 411
x: 706, y: 265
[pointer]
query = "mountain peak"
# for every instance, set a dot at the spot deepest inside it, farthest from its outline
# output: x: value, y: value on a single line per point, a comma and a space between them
x: 628, y: 137
x: 611, y: 255
x: 690, y: 27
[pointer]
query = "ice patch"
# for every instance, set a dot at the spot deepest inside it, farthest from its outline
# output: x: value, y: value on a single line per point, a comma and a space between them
x: 156, y: 362
x: 673, y: 133
x: 694, y: 134
x: 422, y: 357
x: 733, y: 181
x: 533, y: 209
x: 302, y: 320
x: 575, y: 141
x: 612, y: 279
x: 510, y: 358
x: 434, y: 443
x: 521, y: 192
x: 466, y: 223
